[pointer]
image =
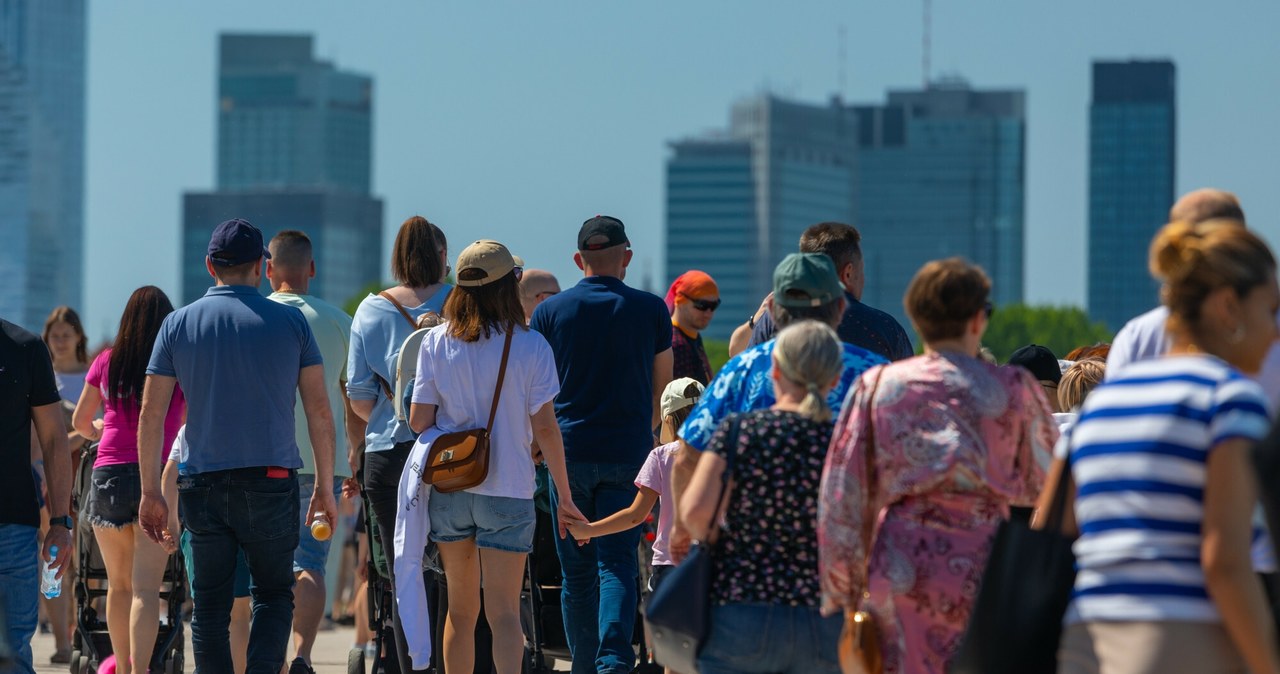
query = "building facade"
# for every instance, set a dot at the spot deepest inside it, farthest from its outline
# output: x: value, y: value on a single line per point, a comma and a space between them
x: 941, y: 173
x: 42, y: 121
x: 929, y: 174
x: 1132, y: 157
x: 294, y: 152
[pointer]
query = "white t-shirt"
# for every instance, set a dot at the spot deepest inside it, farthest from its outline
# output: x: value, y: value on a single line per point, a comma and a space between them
x: 458, y: 378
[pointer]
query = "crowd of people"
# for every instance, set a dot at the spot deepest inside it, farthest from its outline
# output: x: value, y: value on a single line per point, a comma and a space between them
x: 829, y: 465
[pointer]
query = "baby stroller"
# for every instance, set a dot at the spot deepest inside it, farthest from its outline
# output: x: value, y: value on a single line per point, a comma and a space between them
x: 379, y: 600
x: 541, y: 617
x: 91, y: 643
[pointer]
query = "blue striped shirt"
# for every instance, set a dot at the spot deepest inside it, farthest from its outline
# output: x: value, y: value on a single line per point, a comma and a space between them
x: 1138, y: 457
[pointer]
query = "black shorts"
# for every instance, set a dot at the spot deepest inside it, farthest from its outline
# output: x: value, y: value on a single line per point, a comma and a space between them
x: 114, y: 493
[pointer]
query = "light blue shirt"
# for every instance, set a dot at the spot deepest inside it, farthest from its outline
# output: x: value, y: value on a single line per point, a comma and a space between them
x: 377, y: 332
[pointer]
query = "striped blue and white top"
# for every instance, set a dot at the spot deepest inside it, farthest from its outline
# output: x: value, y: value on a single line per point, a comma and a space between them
x: 1138, y: 457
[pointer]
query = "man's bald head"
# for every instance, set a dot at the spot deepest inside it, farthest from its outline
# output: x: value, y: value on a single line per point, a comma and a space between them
x: 1206, y: 204
x: 536, y: 285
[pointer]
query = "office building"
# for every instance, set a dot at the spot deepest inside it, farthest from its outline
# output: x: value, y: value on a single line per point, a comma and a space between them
x: 941, y: 173
x: 42, y: 121
x: 294, y: 152
x: 928, y: 174
x: 1132, y: 154
x: 737, y: 202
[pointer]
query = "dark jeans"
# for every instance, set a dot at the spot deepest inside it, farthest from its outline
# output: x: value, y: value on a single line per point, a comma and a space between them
x: 599, y: 594
x: 382, y: 485
x: 226, y: 512
x: 771, y: 639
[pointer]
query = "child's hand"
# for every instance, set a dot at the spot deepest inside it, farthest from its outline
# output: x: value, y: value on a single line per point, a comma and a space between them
x: 581, y: 532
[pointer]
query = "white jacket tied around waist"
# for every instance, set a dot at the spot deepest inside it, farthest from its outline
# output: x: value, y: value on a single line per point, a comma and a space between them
x: 413, y: 524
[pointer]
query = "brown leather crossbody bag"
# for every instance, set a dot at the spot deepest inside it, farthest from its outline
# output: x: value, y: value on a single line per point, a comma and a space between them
x: 460, y: 460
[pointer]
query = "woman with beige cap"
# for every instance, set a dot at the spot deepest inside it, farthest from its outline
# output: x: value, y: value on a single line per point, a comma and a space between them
x: 488, y: 529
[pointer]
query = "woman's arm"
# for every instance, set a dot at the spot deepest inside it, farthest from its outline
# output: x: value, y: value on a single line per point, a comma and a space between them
x: 547, y: 432
x: 421, y: 416
x: 86, y: 408
x: 1229, y: 498
x: 699, y: 511
x: 627, y: 518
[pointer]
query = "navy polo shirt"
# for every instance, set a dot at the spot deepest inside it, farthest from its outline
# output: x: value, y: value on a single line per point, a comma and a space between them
x: 237, y: 355
x: 604, y: 336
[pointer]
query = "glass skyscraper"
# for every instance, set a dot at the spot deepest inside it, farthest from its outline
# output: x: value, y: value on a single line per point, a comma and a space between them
x: 941, y: 173
x: 294, y: 152
x: 929, y: 174
x: 738, y: 202
x: 1132, y: 154
x: 42, y: 119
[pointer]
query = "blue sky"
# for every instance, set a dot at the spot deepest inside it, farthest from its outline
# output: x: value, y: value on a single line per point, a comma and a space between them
x: 517, y: 120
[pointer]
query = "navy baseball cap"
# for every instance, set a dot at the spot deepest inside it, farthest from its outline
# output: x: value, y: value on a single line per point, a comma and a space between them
x: 601, y: 232
x: 236, y: 242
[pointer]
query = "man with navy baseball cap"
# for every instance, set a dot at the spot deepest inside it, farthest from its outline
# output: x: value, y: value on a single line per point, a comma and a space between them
x: 241, y: 359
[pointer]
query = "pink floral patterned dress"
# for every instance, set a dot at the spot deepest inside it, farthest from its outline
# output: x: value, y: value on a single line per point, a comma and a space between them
x: 957, y: 442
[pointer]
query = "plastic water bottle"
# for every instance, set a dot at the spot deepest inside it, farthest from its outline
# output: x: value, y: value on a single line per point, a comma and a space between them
x: 321, y: 530
x: 50, y: 586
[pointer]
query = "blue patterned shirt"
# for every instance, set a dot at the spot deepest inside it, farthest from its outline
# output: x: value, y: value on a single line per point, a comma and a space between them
x: 744, y: 385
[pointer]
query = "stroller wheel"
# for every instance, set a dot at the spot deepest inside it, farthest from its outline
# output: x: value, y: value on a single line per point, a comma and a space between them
x: 355, y: 661
x: 75, y: 662
x: 83, y: 666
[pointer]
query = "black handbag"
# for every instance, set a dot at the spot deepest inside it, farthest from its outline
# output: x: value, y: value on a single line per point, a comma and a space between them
x: 1016, y: 623
x: 678, y: 615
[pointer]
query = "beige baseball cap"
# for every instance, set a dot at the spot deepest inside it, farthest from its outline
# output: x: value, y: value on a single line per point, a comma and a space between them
x: 673, y: 399
x: 482, y: 263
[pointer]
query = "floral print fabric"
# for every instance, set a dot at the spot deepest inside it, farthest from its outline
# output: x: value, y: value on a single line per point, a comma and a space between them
x: 768, y: 549
x: 957, y: 441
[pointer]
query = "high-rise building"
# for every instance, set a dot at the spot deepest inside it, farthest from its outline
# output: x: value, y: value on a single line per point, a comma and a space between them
x: 42, y: 118
x: 929, y: 174
x: 738, y: 202
x: 941, y: 173
x: 1132, y: 154
x: 294, y: 152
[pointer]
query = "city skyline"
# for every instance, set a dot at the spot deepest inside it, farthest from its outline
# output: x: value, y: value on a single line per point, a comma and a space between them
x: 521, y: 134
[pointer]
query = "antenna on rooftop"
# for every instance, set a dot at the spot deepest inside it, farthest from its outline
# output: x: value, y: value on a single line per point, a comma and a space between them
x: 927, y: 40
x: 842, y: 68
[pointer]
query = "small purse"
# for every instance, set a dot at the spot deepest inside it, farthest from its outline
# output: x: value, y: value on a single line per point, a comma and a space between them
x: 460, y: 460
x: 678, y: 615
x: 860, y: 639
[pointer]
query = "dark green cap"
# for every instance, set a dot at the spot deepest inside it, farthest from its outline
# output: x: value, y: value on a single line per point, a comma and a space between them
x: 806, y: 280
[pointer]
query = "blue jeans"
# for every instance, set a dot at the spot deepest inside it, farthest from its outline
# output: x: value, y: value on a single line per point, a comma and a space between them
x: 599, y: 594
x: 771, y: 639
x: 19, y: 591
x: 225, y: 512
x: 312, y: 555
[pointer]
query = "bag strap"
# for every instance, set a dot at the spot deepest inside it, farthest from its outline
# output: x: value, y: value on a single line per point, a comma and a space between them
x: 1058, y: 503
x: 399, y: 307
x: 730, y: 458
x: 869, y: 519
x: 502, y: 374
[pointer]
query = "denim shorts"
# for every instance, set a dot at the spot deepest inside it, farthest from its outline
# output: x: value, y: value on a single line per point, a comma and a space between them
x: 114, y: 494
x: 311, y: 555
x: 496, y: 522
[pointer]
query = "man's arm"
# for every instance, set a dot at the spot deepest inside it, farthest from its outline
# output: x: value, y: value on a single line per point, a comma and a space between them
x: 153, y: 511
x: 315, y: 404
x: 663, y: 364
x: 52, y: 431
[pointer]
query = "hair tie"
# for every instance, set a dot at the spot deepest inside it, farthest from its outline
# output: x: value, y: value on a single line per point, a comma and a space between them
x: 813, y: 388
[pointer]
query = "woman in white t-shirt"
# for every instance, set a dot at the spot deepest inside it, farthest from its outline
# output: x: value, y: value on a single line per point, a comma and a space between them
x: 488, y: 529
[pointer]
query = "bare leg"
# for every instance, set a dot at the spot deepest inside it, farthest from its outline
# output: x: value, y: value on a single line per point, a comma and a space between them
x: 308, y: 609
x: 462, y: 568
x: 240, y: 614
x: 116, y: 546
x: 144, y: 620
x: 503, y: 576
x: 360, y: 608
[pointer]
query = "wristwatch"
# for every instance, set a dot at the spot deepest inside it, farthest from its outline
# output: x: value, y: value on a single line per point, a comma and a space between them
x: 65, y: 521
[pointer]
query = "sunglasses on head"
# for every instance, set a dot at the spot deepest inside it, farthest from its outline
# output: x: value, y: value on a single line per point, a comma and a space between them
x: 988, y: 309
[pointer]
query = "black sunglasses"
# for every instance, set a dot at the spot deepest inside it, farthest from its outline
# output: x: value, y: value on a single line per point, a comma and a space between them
x: 704, y: 305
x: 989, y: 309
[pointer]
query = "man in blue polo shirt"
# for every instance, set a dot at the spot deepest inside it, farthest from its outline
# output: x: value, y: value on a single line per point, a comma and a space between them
x: 612, y: 346
x: 240, y: 359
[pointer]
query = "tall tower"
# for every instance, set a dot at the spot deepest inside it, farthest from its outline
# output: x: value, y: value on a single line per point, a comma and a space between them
x: 294, y: 152
x: 42, y: 115
x: 1132, y: 156
x: 940, y: 173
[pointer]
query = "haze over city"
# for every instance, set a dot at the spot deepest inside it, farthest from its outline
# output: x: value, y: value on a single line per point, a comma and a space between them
x: 517, y: 122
